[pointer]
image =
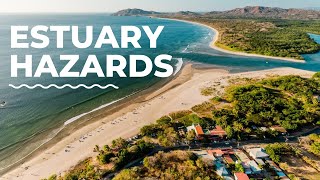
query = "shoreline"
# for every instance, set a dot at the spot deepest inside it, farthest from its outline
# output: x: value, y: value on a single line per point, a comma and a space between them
x: 216, y: 38
x: 86, y: 118
x: 181, y: 93
x: 114, y: 110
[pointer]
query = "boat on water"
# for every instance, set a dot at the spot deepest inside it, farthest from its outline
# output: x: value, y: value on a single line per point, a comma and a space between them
x: 3, y: 103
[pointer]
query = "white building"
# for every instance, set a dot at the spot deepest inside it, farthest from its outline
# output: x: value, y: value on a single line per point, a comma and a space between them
x: 257, y: 153
x: 254, y: 167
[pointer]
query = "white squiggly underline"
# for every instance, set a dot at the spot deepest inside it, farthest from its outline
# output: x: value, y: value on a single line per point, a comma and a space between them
x: 63, y: 86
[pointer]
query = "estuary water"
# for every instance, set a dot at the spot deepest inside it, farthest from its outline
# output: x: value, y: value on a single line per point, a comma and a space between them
x: 30, y: 117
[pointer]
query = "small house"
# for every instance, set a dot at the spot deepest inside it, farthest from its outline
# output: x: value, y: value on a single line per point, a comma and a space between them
x: 241, y: 176
x: 254, y: 167
x: 197, y: 128
x: 257, y: 153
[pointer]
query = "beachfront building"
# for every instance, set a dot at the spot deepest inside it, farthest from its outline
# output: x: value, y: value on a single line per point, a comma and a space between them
x: 215, y: 134
x: 218, y: 132
x: 198, y: 130
x: 240, y: 176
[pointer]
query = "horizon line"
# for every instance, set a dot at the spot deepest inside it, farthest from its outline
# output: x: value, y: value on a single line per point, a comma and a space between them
x: 101, y: 12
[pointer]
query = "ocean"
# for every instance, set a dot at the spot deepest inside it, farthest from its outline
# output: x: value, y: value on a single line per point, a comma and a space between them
x: 32, y: 117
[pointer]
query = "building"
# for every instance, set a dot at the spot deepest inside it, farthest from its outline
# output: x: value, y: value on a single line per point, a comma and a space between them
x: 278, y: 171
x: 241, y: 155
x: 263, y: 129
x: 247, y: 168
x: 198, y: 130
x: 228, y: 159
x: 281, y: 175
x: 214, y: 134
x: 241, y: 176
x: 273, y: 166
x: 254, y: 167
x: 260, y: 162
x: 218, y: 132
x: 222, y: 171
x: 216, y: 152
x: 224, y: 155
x: 257, y: 153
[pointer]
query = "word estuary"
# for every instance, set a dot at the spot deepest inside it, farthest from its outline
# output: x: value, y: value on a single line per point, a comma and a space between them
x: 92, y: 66
x: 40, y: 39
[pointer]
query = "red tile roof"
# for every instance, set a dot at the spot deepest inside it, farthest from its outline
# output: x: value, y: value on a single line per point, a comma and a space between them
x: 241, y: 176
x: 216, y: 152
x: 228, y: 159
x: 199, y: 130
x: 218, y: 131
x: 220, y: 151
x: 219, y: 128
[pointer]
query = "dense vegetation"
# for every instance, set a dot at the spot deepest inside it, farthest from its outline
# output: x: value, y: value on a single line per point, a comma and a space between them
x: 277, y: 150
x: 109, y: 159
x: 121, y: 152
x: 281, y: 38
x: 172, y: 165
x: 287, y: 101
x: 165, y: 131
x: 315, y: 144
x: 316, y: 76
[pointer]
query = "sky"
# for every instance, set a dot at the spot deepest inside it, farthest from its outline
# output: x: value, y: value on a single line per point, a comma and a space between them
x: 74, y: 6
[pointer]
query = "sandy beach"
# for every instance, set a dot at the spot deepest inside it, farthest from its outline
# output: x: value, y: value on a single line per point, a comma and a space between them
x: 181, y: 93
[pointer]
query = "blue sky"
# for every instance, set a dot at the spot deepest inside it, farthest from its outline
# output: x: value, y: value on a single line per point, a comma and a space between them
x: 159, y: 5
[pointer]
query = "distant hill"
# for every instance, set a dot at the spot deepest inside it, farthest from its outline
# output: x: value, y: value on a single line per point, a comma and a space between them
x: 186, y: 13
x: 313, y: 8
x: 246, y: 12
x: 134, y: 12
x: 140, y: 12
x: 267, y: 12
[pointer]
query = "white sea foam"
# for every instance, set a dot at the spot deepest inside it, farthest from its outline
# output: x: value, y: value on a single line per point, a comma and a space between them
x: 98, y: 108
x: 178, y: 66
x: 185, y: 50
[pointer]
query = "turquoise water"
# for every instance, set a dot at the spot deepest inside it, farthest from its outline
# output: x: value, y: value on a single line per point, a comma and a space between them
x: 29, y: 113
